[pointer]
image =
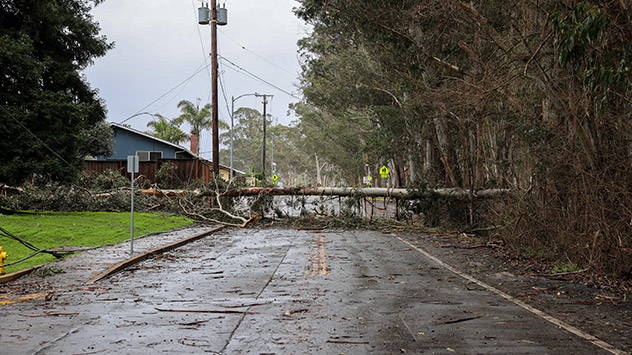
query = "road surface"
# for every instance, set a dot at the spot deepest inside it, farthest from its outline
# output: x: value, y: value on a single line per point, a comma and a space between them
x: 282, y: 291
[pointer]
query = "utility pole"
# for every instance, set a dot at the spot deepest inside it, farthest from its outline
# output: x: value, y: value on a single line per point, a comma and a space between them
x: 215, y: 117
x: 214, y: 17
x: 263, y: 158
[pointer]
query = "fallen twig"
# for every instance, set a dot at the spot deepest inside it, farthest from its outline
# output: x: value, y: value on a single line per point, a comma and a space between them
x: 206, y: 218
x: 253, y: 218
x: 205, y: 311
x: 221, y: 209
x: 464, y: 246
x: 347, y: 342
x: 93, y: 289
x: 460, y: 320
x: 51, y: 314
x: 30, y: 297
x: 561, y: 273
x: 194, y: 323
x: 126, y: 325
x: 408, y: 328
x: 247, y: 305
x: 289, y: 312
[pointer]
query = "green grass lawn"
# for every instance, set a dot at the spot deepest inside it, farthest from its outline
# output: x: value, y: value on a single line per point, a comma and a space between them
x: 55, y: 229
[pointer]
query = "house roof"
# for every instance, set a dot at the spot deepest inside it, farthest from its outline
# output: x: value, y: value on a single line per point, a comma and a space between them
x: 141, y: 133
x: 177, y: 146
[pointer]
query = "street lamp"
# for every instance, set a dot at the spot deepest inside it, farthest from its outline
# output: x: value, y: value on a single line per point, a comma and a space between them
x: 232, y: 112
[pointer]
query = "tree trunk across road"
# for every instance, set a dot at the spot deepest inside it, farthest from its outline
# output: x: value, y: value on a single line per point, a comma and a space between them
x: 366, y: 192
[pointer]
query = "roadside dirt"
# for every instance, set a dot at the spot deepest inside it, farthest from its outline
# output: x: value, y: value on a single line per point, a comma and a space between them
x: 588, y: 302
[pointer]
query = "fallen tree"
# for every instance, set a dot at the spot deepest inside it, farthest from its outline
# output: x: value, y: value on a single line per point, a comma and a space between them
x: 456, y: 193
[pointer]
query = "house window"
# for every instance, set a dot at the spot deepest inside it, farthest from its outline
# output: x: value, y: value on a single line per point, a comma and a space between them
x: 148, y: 156
x: 153, y: 156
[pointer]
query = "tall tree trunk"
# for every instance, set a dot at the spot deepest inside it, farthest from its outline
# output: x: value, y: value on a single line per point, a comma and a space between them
x: 411, y: 169
x: 443, y: 147
x: 318, y: 177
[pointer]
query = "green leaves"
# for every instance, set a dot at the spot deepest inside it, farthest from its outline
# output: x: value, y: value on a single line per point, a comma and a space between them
x: 199, y: 118
x: 166, y: 130
x: 247, y: 140
x: 587, y: 43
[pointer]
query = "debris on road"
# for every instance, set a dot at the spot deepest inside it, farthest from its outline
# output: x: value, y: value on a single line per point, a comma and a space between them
x: 45, y: 294
x: 346, y: 342
x: 247, y: 305
x: 205, y: 311
x: 460, y: 320
x: 45, y: 314
x: 289, y: 312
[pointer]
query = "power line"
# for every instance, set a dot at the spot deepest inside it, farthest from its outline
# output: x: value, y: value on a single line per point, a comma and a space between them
x: 154, y: 115
x: 203, y: 65
x: 221, y: 84
x: 260, y: 79
x: 244, y: 74
x: 220, y: 76
x: 255, y: 54
x: 36, y: 137
x: 173, y: 97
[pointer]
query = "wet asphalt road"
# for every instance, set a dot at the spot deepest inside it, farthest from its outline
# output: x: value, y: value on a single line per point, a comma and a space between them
x: 294, y: 292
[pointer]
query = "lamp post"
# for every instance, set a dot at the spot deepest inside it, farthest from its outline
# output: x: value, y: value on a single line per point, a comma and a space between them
x: 232, y: 113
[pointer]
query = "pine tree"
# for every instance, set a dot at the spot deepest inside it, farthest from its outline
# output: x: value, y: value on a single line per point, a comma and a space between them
x: 50, y: 116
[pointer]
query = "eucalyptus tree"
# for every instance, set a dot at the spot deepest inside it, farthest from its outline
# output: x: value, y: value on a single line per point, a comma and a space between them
x: 247, y: 140
x: 529, y: 95
x: 293, y: 164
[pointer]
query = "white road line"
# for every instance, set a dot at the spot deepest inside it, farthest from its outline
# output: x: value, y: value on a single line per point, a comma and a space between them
x: 591, y: 338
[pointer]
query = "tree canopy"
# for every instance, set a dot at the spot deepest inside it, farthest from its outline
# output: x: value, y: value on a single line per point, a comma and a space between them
x: 247, y: 141
x: 285, y: 142
x: 51, y: 117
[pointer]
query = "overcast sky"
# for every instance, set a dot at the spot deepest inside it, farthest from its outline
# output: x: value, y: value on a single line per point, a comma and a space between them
x: 159, y: 44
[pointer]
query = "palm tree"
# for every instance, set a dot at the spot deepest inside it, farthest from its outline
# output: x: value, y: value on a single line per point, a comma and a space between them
x: 198, y: 118
x: 169, y: 131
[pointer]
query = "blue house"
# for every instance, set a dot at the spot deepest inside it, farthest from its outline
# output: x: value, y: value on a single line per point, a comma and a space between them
x: 128, y: 141
x: 153, y: 153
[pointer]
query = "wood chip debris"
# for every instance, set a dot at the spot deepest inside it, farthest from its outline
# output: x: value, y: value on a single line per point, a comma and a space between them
x: 289, y: 312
